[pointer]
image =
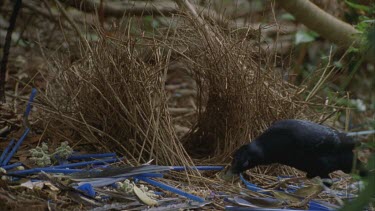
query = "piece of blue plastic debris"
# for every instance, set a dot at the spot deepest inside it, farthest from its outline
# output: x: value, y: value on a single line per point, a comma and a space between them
x: 6, y: 150
x: 171, y: 189
x: 251, y: 186
x: 322, y: 206
x: 64, y: 169
x: 15, y: 148
x: 200, y: 168
x: 47, y: 170
x: 88, y: 189
x: 86, y: 163
x: 233, y: 208
x: 11, y: 166
x: 29, y: 104
x: 101, y: 182
x: 90, y: 156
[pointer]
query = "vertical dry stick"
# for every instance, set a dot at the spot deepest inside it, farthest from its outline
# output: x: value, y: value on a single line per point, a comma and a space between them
x: 207, y: 32
x: 74, y: 25
x: 8, y: 41
x: 347, y: 115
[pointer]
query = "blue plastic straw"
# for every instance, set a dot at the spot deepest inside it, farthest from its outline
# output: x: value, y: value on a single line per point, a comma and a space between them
x: 86, y: 163
x: 323, y: 206
x: 88, y: 156
x: 101, y: 182
x: 14, y: 165
x: 63, y: 168
x: 232, y: 208
x: 171, y: 189
x: 251, y: 186
x: 47, y: 170
x: 200, y: 168
x: 15, y: 148
x: 6, y: 150
x: 31, y: 100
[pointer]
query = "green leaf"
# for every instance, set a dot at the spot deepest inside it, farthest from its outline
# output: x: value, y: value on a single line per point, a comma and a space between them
x: 357, y: 6
x: 338, y: 64
x: 305, y: 37
x: 287, y: 17
x: 353, y: 49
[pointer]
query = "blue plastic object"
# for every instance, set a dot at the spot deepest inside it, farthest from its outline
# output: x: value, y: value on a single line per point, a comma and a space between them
x: 6, y: 150
x: 86, y: 163
x: 200, y: 168
x: 90, y: 156
x: 15, y: 148
x: 11, y: 166
x: 88, y: 189
x: 47, y: 170
x: 321, y: 206
x: 101, y: 182
x: 171, y: 189
x: 251, y: 186
x: 233, y: 208
x: 64, y: 169
x: 31, y: 100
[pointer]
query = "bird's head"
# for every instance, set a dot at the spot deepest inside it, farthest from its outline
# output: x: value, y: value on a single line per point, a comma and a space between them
x: 246, y: 157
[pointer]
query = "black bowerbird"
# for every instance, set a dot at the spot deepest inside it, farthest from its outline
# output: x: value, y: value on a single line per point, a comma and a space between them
x: 313, y: 148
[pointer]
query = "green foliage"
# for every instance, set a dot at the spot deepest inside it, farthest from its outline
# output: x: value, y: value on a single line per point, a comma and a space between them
x: 287, y: 17
x: 305, y: 36
x: 366, y: 196
x: 358, y: 6
x: 42, y: 157
x: 363, y: 16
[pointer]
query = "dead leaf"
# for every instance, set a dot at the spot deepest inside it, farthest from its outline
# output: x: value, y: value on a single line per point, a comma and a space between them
x: 285, y: 196
x: 143, y: 197
x: 309, y: 190
x: 264, y: 201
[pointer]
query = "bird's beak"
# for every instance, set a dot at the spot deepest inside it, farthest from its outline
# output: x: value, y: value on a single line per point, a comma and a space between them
x: 228, y: 175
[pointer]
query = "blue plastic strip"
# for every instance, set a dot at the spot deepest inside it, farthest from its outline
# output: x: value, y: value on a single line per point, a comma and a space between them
x: 14, y: 165
x: 101, y: 182
x: 322, y: 206
x: 90, y: 156
x: 63, y: 168
x: 233, y: 208
x: 251, y: 186
x: 31, y: 100
x: 86, y: 163
x: 200, y: 168
x: 6, y: 150
x: 47, y: 170
x: 171, y: 189
x: 15, y: 148
x: 155, y: 175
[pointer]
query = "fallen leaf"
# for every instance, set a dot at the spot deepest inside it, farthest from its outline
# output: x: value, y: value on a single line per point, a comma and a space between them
x: 309, y: 190
x: 264, y: 201
x: 285, y: 196
x: 143, y: 197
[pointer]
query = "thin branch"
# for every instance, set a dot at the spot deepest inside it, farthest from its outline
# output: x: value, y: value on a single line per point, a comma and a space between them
x: 74, y: 25
x: 320, y: 21
x: 8, y: 40
x: 111, y: 9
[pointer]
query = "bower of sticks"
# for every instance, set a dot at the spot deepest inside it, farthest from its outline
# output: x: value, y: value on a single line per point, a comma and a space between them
x: 189, y: 92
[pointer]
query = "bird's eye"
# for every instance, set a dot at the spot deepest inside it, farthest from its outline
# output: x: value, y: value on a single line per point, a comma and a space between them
x: 244, y: 165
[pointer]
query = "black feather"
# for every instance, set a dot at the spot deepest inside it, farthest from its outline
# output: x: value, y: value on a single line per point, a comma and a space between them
x: 316, y: 149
